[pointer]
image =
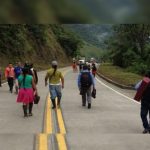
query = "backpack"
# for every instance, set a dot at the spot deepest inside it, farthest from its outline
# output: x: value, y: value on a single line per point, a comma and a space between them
x: 86, y: 79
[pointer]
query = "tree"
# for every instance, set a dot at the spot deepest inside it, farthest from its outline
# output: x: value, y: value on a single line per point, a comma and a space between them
x: 129, y: 44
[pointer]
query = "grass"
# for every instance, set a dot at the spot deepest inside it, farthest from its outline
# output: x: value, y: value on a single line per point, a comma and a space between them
x: 118, y: 74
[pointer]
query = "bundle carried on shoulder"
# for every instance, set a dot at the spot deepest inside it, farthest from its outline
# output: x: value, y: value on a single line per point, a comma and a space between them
x: 140, y: 91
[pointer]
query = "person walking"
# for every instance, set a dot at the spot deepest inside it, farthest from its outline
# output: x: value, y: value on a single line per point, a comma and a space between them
x: 145, y: 105
x: 94, y: 69
x: 80, y: 66
x: 54, y: 76
x: 10, y: 76
x: 27, y: 91
x: 18, y: 71
x: 74, y: 67
x: 33, y: 72
x: 85, y: 83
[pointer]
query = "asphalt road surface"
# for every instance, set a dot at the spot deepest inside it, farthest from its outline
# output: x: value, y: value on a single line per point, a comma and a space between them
x: 113, y: 122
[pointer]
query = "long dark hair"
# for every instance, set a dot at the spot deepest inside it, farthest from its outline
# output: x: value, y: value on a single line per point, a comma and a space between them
x: 25, y: 71
x: 55, y: 69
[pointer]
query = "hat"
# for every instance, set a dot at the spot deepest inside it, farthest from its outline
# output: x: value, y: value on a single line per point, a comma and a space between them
x: 54, y: 63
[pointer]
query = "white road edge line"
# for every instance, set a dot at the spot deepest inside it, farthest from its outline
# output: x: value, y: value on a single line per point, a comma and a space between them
x: 117, y: 92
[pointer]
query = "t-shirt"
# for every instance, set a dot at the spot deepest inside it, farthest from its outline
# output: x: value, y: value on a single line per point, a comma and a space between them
x: 18, y: 71
x: 54, y: 78
x: 28, y: 81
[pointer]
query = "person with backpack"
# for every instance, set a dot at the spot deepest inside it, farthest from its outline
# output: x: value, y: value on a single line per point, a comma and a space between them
x: 27, y: 91
x: 54, y: 76
x: 145, y: 105
x: 10, y: 76
x: 85, y: 83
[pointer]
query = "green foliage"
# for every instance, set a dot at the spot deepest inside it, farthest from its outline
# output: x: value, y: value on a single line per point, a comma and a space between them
x: 38, y: 31
x: 11, y: 39
x: 68, y: 40
x: 38, y: 40
x: 119, y: 74
x: 130, y: 47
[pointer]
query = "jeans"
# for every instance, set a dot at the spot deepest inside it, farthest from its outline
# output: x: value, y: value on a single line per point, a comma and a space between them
x: 145, y: 109
x: 55, y: 91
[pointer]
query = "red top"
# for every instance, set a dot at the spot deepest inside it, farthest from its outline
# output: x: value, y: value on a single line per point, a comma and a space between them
x: 9, y: 72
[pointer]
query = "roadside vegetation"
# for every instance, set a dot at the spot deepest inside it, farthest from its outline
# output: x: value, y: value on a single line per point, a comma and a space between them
x: 129, y: 47
x: 119, y: 74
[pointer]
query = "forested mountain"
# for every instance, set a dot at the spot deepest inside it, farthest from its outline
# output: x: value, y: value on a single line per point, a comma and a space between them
x: 93, y: 34
x: 36, y: 43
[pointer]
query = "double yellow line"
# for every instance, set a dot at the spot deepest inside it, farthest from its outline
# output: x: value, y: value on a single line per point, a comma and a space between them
x: 42, y: 138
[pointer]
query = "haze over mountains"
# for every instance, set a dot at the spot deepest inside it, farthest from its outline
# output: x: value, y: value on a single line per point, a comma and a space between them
x: 94, y: 34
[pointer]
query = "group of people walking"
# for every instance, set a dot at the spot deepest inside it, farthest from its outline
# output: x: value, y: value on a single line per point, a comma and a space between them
x: 25, y: 78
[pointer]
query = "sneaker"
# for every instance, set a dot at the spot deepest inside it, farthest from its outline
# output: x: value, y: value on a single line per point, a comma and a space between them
x: 146, y: 131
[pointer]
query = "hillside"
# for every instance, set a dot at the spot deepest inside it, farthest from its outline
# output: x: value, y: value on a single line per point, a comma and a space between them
x: 36, y: 43
x: 93, y: 34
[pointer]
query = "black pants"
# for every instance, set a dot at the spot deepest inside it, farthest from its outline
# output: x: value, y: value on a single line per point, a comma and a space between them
x: 145, y: 109
x: 0, y: 81
x: 10, y: 81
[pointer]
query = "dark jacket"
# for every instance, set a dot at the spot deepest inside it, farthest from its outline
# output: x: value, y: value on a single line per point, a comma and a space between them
x: 146, y: 96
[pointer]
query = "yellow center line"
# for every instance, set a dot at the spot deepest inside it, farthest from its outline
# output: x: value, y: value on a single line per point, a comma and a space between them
x: 61, y: 142
x: 48, y: 124
x: 61, y: 122
x: 42, y: 142
x: 43, y: 138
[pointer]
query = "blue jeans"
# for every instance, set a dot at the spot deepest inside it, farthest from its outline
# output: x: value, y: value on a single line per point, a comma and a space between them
x: 55, y: 91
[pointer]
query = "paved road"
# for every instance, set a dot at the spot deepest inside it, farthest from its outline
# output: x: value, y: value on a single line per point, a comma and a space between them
x: 112, y: 123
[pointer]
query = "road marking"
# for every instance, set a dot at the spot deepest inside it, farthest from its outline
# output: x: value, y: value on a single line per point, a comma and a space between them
x: 48, y: 117
x: 61, y: 142
x: 118, y: 92
x: 60, y: 121
x: 42, y: 142
x: 48, y: 128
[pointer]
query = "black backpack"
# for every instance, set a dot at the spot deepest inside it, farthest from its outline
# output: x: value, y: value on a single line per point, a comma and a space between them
x: 86, y: 79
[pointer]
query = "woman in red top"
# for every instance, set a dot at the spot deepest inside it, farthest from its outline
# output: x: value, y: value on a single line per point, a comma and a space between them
x: 10, y: 76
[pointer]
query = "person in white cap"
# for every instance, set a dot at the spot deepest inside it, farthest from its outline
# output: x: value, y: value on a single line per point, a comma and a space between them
x: 54, y: 76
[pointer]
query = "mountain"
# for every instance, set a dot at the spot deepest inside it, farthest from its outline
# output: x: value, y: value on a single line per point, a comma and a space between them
x: 93, y: 34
